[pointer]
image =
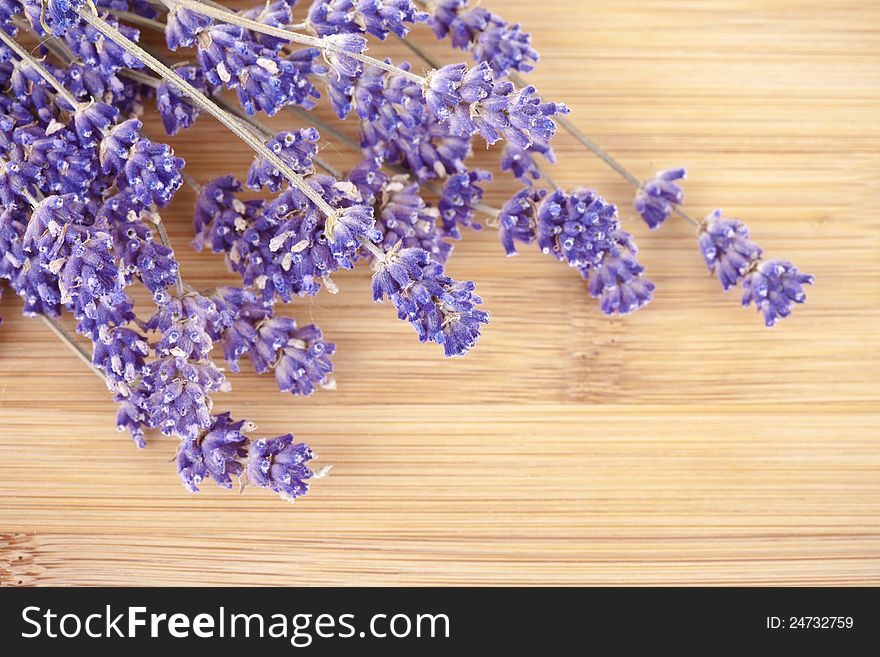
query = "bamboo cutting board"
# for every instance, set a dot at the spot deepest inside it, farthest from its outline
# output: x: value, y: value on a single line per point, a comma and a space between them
x: 686, y: 444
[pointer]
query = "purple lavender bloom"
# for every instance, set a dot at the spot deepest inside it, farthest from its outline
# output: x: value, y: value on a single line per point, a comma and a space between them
x: 92, y: 120
x: 19, y: 180
x: 328, y: 17
x: 245, y: 315
x: 152, y: 262
x: 120, y: 353
x: 405, y: 217
x: 59, y: 15
x: 153, y: 172
x: 131, y: 416
x: 428, y: 150
x: 296, y: 149
x: 344, y: 71
x: 492, y: 40
x: 304, y: 362
x: 299, y: 356
x: 391, y: 101
x: 379, y: 17
x: 518, y: 219
x: 178, y: 403
x: 68, y: 167
x: 774, y: 287
x: 346, y: 229
x: 8, y: 10
x: 117, y: 144
x: 726, y: 248
x: 519, y: 115
x: 505, y: 47
x: 183, y: 26
x: 177, y: 112
x: 106, y: 310
x: 99, y: 53
x: 185, y: 324
x: 657, y: 197
x: 215, y: 198
x: 521, y: 161
x: 85, y: 83
x: 461, y: 194
x: 440, y: 309
x: 577, y: 228
x: 274, y: 14
x: 470, y: 101
x: 217, y: 454
x: 618, y: 282
x: 279, y: 464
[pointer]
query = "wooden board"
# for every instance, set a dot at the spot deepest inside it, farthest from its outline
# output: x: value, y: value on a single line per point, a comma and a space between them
x: 686, y: 444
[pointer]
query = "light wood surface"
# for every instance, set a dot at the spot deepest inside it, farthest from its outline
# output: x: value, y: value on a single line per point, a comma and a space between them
x: 686, y: 444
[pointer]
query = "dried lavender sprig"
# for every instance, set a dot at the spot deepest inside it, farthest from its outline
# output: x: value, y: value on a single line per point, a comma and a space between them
x: 327, y: 45
x: 39, y: 68
x: 204, y: 103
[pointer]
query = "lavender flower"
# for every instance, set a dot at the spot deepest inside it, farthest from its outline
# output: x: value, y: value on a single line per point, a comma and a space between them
x: 518, y: 219
x: 217, y: 454
x: 376, y: 17
x: 461, y: 194
x: 120, y: 353
x: 440, y: 309
x: 471, y: 101
x: 346, y: 230
x: 344, y: 71
x: 58, y: 15
x: 177, y: 112
x: 153, y: 172
x: 279, y: 464
x: 179, y: 400
x: 404, y: 217
x: 299, y: 356
x: 492, y: 40
x: 657, y: 197
x: 183, y: 26
x: 774, y: 287
x: 726, y: 248
x: 521, y: 161
x: 296, y: 149
x: 98, y: 53
x: 577, y: 228
x: 618, y: 282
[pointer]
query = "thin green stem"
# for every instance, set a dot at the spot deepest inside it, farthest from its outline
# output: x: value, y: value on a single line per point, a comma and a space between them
x: 327, y: 45
x: 39, y: 68
x: 203, y: 102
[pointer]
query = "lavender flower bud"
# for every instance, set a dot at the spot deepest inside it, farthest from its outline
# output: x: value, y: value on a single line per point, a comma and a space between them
x: 459, y: 199
x: 774, y: 287
x: 296, y: 149
x: 279, y: 464
x: 726, y: 248
x: 175, y: 109
x: 518, y: 219
x: 577, y: 228
x: 120, y: 353
x: 153, y: 172
x: 618, y: 282
x: 183, y: 26
x: 440, y: 309
x: 657, y: 197
x: 217, y: 454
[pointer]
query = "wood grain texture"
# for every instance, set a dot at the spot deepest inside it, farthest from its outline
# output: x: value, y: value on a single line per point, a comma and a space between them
x: 686, y: 444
